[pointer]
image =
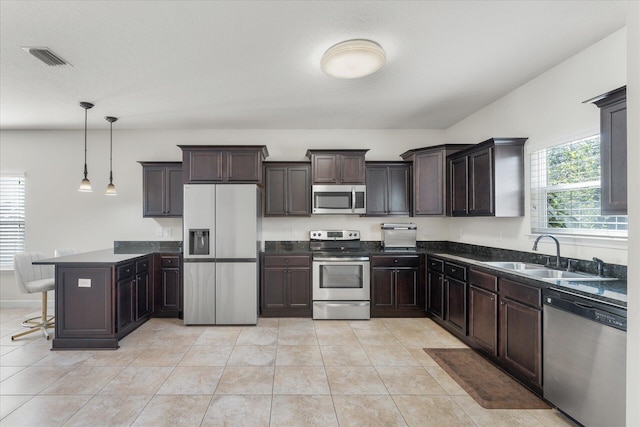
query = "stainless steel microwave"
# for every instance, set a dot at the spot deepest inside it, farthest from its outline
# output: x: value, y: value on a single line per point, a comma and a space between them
x: 339, y: 199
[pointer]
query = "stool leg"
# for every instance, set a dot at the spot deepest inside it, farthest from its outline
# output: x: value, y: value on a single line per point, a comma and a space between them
x: 34, y: 325
x: 44, y: 316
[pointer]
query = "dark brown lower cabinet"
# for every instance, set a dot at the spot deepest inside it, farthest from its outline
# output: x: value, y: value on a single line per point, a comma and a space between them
x: 99, y: 303
x: 447, y: 289
x: 505, y: 323
x: 520, y: 343
x: 435, y: 293
x: 285, y: 289
x: 125, y: 304
x: 456, y: 304
x: 396, y: 286
x: 167, y: 289
x: 483, y: 319
x: 483, y: 311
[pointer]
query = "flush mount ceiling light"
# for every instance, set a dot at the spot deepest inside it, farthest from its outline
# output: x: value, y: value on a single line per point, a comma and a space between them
x: 111, y: 189
x: 353, y: 58
x: 85, y: 184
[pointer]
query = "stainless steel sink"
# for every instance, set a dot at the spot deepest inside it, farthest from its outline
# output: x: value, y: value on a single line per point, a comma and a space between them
x: 540, y: 272
x: 558, y: 274
x: 513, y: 265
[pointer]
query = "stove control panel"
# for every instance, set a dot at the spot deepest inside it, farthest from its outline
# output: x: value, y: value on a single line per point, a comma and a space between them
x: 334, y: 235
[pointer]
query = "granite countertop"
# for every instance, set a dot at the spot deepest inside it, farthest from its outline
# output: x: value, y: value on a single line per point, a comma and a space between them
x: 147, y: 246
x: 609, y: 291
x: 122, y: 251
x: 103, y: 257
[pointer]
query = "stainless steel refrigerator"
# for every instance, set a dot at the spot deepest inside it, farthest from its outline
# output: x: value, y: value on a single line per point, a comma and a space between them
x: 221, y: 244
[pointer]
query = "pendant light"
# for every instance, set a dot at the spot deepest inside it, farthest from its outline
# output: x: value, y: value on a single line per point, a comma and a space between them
x: 111, y: 189
x: 85, y: 184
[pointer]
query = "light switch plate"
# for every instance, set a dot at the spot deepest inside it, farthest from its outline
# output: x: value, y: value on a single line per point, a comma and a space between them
x: 159, y: 232
x: 166, y: 232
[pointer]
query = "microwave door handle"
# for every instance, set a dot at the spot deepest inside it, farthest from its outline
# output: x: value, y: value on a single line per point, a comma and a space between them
x: 353, y: 199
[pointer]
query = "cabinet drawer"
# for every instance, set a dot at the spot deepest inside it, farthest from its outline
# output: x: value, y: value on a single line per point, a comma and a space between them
x: 518, y: 292
x: 125, y: 270
x: 456, y: 271
x: 142, y: 265
x: 287, y: 261
x: 435, y: 264
x: 170, y: 262
x: 483, y: 280
x: 395, y: 261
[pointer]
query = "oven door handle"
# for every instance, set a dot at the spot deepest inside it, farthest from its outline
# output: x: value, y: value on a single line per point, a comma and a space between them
x: 342, y: 260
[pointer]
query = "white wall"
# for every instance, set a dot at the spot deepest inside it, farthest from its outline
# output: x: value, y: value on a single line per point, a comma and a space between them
x: 633, y: 173
x: 58, y: 216
x: 547, y: 110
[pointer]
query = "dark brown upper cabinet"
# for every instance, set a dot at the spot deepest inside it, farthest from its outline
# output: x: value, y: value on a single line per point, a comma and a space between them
x: 430, y: 177
x: 388, y: 188
x: 613, y: 151
x: 337, y: 166
x: 232, y: 164
x: 161, y: 189
x: 487, y: 179
x: 287, y: 189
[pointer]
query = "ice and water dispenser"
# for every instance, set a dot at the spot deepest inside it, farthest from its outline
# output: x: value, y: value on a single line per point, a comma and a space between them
x: 199, y: 241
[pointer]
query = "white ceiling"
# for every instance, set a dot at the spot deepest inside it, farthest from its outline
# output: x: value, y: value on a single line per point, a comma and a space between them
x: 255, y: 64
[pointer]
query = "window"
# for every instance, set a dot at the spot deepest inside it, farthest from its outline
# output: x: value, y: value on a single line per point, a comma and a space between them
x: 565, y: 191
x: 11, y: 218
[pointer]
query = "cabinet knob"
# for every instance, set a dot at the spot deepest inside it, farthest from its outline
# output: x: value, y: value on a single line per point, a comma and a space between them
x: 396, y: 261
x: 501, y: 302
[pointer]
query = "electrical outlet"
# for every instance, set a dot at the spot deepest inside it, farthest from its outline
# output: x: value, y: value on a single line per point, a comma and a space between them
x: 459, y: 232
x: 499, y: 236
x: 159, y: 232
x: 425, y: 231
x: 166, y: 232
x: 294, y: 232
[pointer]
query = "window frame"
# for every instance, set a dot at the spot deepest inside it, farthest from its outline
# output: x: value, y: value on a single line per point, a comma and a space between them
x: 539, y: 190
x: 12, y: 216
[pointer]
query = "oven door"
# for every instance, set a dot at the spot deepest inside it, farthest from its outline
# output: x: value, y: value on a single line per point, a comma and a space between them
x: 341, y: 279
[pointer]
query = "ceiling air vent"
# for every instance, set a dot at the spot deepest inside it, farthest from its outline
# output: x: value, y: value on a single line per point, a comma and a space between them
x: 45, y: 55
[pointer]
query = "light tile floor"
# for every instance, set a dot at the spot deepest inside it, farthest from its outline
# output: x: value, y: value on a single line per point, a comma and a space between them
x: 282, y: 372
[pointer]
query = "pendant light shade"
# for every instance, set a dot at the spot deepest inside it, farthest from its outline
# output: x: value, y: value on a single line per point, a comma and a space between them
x: 353, y: 58
x: 111, y: 189
x: 85, y: 184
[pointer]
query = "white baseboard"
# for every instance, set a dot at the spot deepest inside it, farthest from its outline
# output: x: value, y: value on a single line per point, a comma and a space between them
x: 25, y: 304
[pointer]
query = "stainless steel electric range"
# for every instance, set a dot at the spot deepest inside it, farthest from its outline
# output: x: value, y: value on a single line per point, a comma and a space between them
x: 341, y: 282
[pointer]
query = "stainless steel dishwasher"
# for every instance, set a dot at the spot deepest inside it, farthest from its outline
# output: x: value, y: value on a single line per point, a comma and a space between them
x: 584, y: 358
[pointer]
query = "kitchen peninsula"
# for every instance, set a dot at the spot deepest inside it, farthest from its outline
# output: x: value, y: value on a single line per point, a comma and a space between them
x: 102, y: 296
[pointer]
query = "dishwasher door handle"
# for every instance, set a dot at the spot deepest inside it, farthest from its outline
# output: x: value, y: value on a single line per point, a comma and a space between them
x: 583, y: 305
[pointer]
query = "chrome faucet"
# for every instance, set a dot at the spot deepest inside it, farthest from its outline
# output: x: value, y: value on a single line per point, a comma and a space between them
x: 600, y: 266
x: 535, y: 247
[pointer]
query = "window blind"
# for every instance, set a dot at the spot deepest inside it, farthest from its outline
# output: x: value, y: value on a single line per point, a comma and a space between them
x: 12, y: 218
x: 565, y: 191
